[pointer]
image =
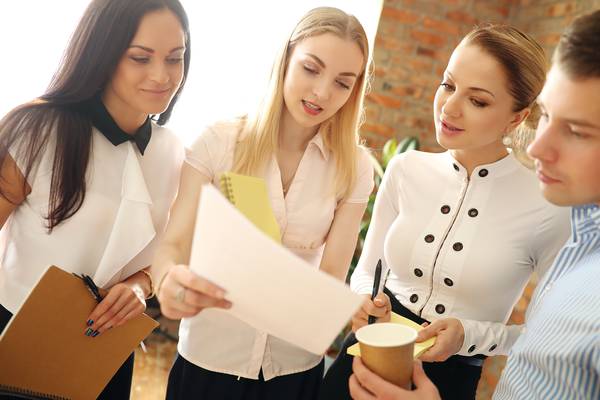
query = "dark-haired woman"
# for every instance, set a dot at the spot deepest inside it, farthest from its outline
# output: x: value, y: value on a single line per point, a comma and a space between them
x: 87, y: 178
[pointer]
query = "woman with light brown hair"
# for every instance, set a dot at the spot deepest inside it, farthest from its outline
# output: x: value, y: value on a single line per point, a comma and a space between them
x: 462, y: 231
x: 303, y: 141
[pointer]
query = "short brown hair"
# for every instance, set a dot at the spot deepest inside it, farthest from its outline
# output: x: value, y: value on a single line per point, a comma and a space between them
x: 578, y: 51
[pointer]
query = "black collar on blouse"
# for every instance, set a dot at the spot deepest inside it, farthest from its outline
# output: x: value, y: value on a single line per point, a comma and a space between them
x: 104, y: 122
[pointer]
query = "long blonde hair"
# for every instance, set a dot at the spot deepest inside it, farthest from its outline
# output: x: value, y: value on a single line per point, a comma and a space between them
x: 259, y: 136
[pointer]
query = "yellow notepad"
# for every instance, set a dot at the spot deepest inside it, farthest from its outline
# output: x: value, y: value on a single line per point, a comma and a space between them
x: 249, y: 195
x: 420, y: 348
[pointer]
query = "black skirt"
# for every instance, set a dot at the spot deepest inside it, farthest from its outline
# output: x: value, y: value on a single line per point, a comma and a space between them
x: 188, y: 381
x: 119, y: 386
x: 456, y: 378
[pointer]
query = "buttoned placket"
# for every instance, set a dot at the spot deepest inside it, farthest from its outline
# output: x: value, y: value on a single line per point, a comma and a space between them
x: 440, y: 308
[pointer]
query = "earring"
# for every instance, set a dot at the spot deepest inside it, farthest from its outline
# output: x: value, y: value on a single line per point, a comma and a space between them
x: 507, y: 140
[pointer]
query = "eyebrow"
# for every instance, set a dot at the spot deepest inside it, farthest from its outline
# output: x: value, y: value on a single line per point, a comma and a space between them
x: 322, y: 64
x: 149, y: 50
x: 473, y: 87
x: 570, y: 121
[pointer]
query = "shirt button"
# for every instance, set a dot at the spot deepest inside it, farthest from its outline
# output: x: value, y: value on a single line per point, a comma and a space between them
x: 472, y: 349
x: 414, y: 298
x: 493, y: 347
x: 445, y: 209
x: 483, y: 173
x: 473, y: 212
x: 448, y: 282
x: 440, y: 309
x: 418, y: 272
x: 455, y: 166
x: 458, y: 246
x: 429, y: 238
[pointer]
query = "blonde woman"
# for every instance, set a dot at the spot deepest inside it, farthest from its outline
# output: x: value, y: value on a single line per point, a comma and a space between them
x: 304, y: 143
x: 462, y: 231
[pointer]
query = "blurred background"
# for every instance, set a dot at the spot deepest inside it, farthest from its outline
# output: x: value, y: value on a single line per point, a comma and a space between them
x: 234, y: 42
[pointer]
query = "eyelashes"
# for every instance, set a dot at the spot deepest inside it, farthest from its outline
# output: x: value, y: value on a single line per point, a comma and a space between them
x: 312, y: 71
x: 476, y: 102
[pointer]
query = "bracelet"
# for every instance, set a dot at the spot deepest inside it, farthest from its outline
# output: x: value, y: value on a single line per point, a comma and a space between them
x: 162, y: 279
x: 152, y: 293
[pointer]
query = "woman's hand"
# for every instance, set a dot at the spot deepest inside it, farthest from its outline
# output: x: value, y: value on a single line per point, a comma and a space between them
x: 380, y: 307
x: 450, y: 337
x: 365, y: 385
x: 124, y: 301
x: 184, y: 294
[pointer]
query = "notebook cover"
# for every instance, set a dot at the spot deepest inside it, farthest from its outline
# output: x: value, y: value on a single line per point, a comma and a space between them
x: 250, y: 196
x: 44, y: 350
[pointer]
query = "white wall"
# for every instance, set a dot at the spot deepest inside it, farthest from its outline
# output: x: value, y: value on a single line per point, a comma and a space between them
x: 233, y: 45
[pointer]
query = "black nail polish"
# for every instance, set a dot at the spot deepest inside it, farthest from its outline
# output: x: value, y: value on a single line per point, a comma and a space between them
x: 96, y: 333
x: 90, y: 322
x: 88, y: 332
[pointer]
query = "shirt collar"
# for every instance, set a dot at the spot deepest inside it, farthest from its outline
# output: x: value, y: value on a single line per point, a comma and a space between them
x: 317, y: 140
x: 585, y: 219
x: 104, y: 122
x: 486, y: 171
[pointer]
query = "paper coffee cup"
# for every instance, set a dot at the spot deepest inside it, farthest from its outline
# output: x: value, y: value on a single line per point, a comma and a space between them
x: 387, y: 350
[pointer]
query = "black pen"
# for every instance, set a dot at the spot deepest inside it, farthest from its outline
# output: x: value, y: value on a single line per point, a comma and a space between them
x: 375, y: 287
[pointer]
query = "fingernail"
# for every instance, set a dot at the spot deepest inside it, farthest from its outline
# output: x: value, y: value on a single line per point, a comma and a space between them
x: 96, y: 333
x: 90, y: 322
x: 220, y: 294
x: 89, y: 332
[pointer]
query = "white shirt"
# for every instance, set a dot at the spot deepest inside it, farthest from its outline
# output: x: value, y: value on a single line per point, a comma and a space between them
x: 219, y: 342
x: 112, y: 235
x: 461, y: 247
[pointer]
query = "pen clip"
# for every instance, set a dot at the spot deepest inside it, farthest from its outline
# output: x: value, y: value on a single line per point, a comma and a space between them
x: 376, y: 282
x: 91, y: 286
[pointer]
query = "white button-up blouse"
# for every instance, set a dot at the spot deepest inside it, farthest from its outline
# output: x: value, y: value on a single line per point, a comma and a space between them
x: 112, y: 235
x: 214, y: 339
x: 460, y: 246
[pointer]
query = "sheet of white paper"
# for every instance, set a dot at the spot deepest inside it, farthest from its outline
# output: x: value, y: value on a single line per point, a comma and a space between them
x: 270, y: 288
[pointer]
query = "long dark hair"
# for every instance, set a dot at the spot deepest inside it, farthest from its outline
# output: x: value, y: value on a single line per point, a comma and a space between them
x: 89, y: 62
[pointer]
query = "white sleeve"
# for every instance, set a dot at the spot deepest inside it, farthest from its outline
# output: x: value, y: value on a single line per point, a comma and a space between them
x: 488, y: 338
x: 552, y: 233
x: 384, y: 213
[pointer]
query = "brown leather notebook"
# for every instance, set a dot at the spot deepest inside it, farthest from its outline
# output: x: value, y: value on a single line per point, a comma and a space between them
x: 44, y: 352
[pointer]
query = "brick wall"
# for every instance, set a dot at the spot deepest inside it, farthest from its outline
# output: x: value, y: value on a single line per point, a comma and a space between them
x: 414, y: 42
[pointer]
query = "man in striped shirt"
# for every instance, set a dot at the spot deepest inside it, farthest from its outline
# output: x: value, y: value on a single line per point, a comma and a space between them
x: 558, y: 354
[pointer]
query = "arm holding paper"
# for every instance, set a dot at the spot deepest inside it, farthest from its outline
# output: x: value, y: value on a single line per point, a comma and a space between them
x: 181, y: 292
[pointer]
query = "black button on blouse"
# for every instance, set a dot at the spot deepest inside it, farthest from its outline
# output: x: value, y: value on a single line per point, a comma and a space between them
x: 429, y: 238
x: 418, y: 272
x: 473, y: 212
x: 414, y: 298
x: 440, y: 309
x: 472, y: 349
x: 445, y: 209
x: 455, y: 167
x: 493, y: 347
x: 458, y: 246
x: 483, y: 173
x: 449, y: 282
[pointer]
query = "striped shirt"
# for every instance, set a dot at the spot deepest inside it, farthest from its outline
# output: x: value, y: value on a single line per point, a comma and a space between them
x: 558, y: 354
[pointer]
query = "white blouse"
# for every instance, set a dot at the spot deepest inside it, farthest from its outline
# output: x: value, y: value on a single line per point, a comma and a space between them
x: 460, y: 246
x: 112, y: 235
x: 219, y: 342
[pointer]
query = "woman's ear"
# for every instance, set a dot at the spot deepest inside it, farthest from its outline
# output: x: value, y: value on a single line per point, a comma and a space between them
x: 518, y: 118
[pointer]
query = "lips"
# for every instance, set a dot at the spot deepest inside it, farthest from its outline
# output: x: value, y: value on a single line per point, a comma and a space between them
x: 311, y: 108
x: 449, y: 127
x: 545, y: 177
x: 157, y: 92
